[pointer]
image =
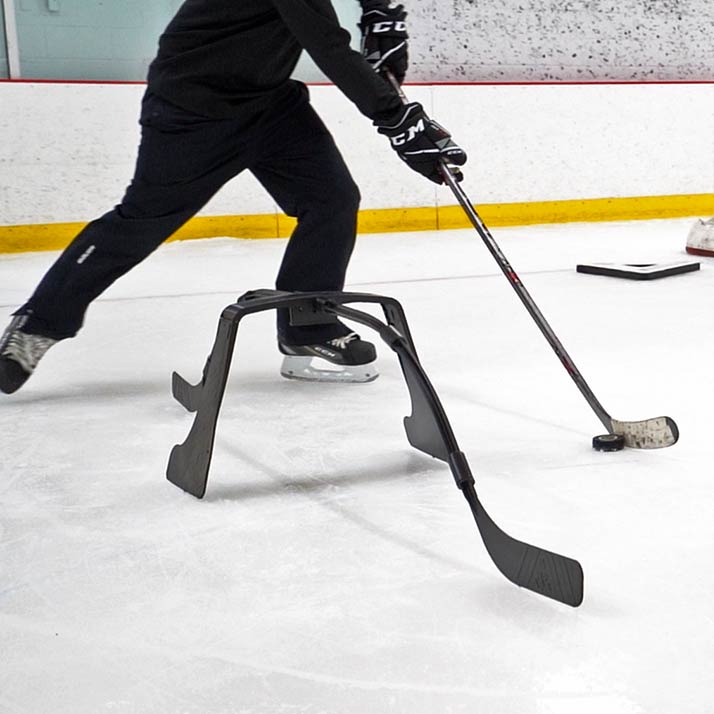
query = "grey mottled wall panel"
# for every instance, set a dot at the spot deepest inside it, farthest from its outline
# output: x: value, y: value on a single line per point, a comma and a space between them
x: 540, y: 40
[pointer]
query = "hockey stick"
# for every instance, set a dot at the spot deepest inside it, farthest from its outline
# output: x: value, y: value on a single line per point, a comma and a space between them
x: 654, y: 433
x: 542, y: 571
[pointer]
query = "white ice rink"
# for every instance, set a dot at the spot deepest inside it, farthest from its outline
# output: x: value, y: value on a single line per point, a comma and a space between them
x: 331, y: 568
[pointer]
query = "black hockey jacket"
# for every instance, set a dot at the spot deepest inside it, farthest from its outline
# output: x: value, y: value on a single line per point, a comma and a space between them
x: 224, y: 58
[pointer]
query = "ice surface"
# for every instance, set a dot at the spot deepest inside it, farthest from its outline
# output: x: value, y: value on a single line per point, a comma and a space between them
x: 331, y: 568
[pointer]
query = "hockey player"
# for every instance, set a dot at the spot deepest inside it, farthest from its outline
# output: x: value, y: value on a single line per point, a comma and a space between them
x: 219, y: 100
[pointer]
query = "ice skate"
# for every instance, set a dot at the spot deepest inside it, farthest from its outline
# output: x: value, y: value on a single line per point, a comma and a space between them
x: 701, y: 238
x: 19, y: 354
x: 342, y: 359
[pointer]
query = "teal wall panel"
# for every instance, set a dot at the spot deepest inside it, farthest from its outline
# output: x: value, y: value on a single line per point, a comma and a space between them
x: 111, y: 39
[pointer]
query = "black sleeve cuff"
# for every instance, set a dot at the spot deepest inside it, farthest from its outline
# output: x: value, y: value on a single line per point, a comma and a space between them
x: 373, y: 4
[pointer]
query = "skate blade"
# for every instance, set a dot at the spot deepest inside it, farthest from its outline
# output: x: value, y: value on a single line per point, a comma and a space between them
x: 314, y: 369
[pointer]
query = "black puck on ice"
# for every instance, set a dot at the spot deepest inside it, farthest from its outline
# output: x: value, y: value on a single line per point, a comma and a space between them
x: 609, y: 442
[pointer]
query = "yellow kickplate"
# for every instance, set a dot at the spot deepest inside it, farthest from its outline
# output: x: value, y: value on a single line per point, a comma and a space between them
x: 56, y: 236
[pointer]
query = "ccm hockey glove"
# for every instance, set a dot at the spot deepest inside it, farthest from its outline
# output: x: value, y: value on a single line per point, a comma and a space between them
x: 422, y: 143
x: 384, y: 39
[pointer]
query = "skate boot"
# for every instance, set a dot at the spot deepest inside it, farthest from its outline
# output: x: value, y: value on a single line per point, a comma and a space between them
x: 700, y: 240
x: 341, y: 359
x: 19, y: 354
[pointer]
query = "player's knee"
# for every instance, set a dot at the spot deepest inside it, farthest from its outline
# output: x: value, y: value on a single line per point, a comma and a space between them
x: 336, y: 203
x: 345, y: 198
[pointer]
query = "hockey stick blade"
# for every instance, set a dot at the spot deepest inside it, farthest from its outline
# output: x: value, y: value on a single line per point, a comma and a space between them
x: 656, y: 433
x: 550, y: 574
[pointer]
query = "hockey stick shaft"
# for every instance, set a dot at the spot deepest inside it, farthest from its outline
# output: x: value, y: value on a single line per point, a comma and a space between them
x: 648, y: 434
x: 517, y: 284
x: 526, y: 299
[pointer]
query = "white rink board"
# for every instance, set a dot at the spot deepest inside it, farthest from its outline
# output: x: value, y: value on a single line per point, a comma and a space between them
x: 68, y: 150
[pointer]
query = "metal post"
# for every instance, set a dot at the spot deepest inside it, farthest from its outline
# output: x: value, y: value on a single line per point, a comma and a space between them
x: 11, y: 39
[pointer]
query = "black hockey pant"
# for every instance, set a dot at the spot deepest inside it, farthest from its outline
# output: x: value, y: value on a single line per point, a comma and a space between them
x: 183, y: 160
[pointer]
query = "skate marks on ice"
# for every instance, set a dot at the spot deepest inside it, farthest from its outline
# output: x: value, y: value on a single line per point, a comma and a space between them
x: 277, y: 602
x: 344, y: 488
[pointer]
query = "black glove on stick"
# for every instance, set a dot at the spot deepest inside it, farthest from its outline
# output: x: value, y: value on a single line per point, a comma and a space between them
x: 422, y: 143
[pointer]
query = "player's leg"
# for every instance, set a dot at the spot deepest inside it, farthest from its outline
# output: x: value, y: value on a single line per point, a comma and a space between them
x: 303, y: 170
x: 182, y: 161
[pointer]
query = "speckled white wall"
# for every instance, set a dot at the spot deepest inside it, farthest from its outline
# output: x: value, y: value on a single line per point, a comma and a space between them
x: 467, y: 40
x: 564, y: 40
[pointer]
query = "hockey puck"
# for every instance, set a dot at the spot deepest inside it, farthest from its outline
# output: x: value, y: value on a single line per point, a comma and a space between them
x: 609, y: 442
